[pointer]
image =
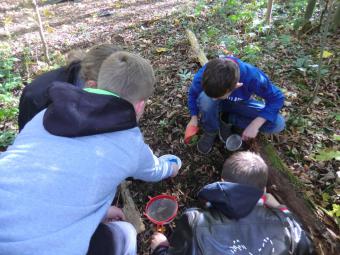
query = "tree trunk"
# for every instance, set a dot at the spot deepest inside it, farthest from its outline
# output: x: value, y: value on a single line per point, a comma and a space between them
x: 41, y: 31
x: 269, y: 11
x: 336, y: 19
x: 309, y: 10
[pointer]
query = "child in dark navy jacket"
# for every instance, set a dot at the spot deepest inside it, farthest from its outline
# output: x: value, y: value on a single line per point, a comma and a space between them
x: 227, y: 85
x: 82, y: 71
x: 241, y: 218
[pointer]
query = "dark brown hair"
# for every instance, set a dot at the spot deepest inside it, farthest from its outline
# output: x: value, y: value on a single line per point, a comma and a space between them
x: 128, y: 75
x: 246, y: 168
x: 220, y: 77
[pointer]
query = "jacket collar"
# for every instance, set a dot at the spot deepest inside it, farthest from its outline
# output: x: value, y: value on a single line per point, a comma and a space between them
x: 75, y: 112
x: 233, y: 199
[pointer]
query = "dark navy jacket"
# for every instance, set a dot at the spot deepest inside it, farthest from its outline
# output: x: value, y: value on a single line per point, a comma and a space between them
x: 236, y: 223
x: 34, y: 97
x: 255, y: 82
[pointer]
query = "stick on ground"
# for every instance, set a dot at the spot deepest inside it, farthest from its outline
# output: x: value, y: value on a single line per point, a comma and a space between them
x: 130, y: 209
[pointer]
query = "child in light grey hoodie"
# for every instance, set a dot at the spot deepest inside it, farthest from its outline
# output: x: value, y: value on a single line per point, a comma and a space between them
x: 60, y: 176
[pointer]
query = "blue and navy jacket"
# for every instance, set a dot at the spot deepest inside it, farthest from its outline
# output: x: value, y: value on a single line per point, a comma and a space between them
x: 255, y: 82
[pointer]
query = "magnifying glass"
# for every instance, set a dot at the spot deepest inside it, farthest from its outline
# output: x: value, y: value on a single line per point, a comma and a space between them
x: 161, y: 210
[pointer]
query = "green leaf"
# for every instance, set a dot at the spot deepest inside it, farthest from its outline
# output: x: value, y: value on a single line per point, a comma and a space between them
x: 325, y: 197
x: 328, y: 154
x: 326, y: 54
x: 336, y: 137
x: 285, y: 39
x: 6, y: 138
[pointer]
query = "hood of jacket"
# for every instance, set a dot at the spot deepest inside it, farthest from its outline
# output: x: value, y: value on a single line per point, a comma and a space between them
x: 234, y: 200
x: 73, y: 112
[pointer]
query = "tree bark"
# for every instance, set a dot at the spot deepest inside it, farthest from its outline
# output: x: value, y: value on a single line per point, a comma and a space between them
x: 336, y: 18
x: 41, y: 31
x: 130, y: 209
x: 195, y: 47
x: 269, y: 11
x: 309, y: 10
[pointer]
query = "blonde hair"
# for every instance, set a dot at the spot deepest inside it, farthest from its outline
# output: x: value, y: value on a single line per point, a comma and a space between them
x: 128, y: 75
x: 75, y: 56
x: 246, y: 168
x: 93, y: 59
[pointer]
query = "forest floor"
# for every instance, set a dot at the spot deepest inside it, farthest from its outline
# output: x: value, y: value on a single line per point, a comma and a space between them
x: 156, y: 30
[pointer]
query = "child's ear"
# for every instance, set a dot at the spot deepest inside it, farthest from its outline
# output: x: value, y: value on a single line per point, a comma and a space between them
x: 91, y: 84
x: 139, y: 108
x: 239, y: 84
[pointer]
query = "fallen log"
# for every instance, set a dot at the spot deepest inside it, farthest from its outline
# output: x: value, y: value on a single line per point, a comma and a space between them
x: 130, y: 210
x: 288, y: 189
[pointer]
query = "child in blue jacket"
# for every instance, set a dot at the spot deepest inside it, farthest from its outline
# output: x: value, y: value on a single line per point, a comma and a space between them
x: 227, y: 85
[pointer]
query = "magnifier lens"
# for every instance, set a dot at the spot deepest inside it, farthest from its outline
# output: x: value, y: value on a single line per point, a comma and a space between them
x: 162, y: 209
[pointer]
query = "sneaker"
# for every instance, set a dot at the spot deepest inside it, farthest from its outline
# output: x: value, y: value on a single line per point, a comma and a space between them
x: 206, y: 142
x: 225, y: 131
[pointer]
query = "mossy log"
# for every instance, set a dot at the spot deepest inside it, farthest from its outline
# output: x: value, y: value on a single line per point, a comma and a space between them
x: 289, y: 190
x: 130, y: 210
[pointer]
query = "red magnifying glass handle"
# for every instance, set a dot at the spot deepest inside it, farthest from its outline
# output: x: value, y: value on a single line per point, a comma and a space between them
x: 190, y: 132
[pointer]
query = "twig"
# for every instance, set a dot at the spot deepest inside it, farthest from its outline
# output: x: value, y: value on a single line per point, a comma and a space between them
x: 41, y: 31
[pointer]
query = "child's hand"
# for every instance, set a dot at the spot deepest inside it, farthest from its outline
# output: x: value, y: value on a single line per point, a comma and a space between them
x: 271, y: 201
x: 158, y: 239
x: 191, y: 130
x: 173, y: 161
x: 249, y: 133
x: 252, y: 129
x: 175, y: 169
x: 114, y: 214
x: 193, y: 121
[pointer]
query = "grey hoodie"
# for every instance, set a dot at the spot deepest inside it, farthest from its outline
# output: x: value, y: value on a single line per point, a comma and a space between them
x: 55, y: 190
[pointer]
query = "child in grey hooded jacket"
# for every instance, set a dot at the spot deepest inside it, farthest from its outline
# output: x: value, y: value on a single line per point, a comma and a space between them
x: 60, y: 176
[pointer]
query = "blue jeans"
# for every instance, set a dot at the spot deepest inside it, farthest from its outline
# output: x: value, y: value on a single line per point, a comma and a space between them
x: 240, y: 114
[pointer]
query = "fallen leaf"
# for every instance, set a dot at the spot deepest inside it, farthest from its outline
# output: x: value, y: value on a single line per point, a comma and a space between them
x: 161, y: 50
x: 329, y: 154
x: 49, y: 29
x: 177, y: 22
x: 326, y: 54
x: 336, y: 137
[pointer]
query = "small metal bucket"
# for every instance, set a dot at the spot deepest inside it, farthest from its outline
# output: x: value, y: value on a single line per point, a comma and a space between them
x: 233, y: 142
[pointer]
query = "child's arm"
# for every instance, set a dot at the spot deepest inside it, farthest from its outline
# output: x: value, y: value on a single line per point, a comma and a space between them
x: 260, y: 85
x: 180, y: 241
x: 252, y: 129
x: 113, y: 214
x: 264, y: 88
x: 301, y: 243
x: 194, y: 92
x: 152, y: 169
x: 159, y: 244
